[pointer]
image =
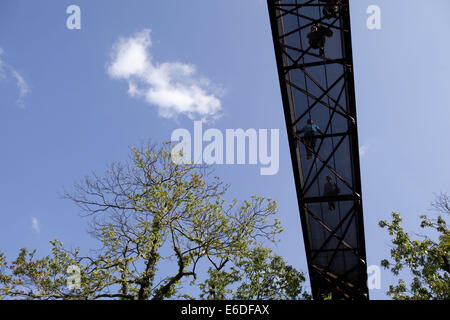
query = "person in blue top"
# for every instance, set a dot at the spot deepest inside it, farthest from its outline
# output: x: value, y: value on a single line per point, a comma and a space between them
x: 309, y: 132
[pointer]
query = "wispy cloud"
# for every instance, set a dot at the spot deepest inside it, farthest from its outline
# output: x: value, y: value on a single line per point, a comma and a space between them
x: 173, y: 87
x: 35, y: 225
x: 363, y: 150
x: 23, y: 88
x: 6, y: 71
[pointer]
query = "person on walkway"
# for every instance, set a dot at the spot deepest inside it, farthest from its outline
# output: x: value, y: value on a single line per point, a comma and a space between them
x: 331, y: 8
x: 310, y: 132
x: 331, y: 189
x: 317, y: 37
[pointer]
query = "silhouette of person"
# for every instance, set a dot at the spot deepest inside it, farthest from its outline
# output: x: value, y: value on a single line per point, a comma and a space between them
x: 331, y: 9
x: 309, y: 131
x: 331, y: 189
x: 317, y: 37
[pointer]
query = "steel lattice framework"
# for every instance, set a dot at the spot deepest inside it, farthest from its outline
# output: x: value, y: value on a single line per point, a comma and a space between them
x: 320, y: 87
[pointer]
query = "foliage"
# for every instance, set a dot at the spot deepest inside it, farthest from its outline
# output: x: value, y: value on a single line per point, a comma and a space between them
x: 157, y: 220
x: 426, y: 259
x: 258, y: 275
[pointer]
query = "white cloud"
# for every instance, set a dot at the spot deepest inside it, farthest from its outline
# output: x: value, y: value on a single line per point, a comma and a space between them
x: 173, y: 87
x: 22, y: 85
x: 35, y: 225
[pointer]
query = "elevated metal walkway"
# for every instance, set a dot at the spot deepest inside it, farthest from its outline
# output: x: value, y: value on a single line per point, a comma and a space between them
x: 319, y: 87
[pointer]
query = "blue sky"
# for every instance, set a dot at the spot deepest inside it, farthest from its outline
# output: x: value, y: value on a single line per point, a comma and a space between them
x: 63, y: 114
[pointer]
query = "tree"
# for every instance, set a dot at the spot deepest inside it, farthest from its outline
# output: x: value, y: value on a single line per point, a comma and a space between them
x: 426, y: 259
x: 159, y: 223
x: 260, y: 276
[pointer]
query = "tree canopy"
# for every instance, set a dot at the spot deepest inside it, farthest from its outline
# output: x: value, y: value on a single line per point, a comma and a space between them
x: 426, y: 258
x: 158, y: 223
